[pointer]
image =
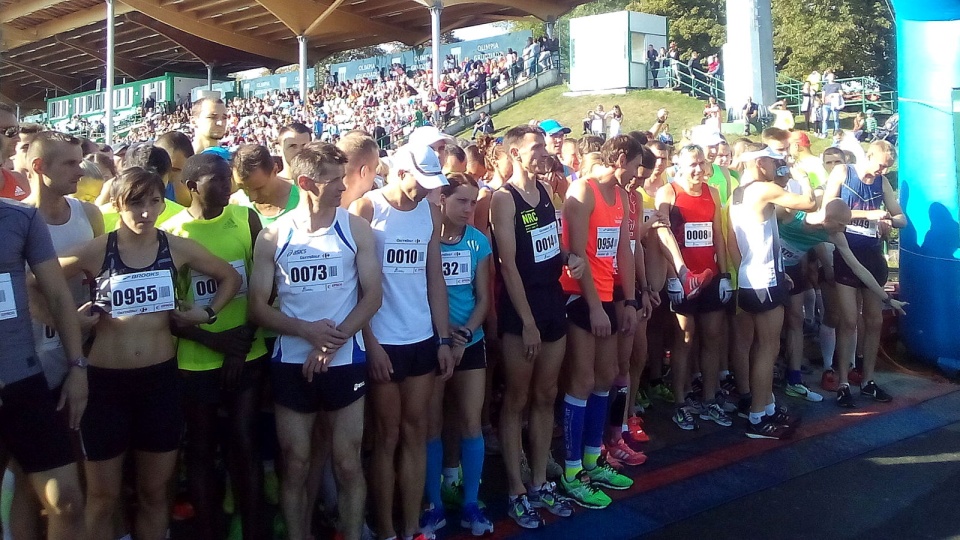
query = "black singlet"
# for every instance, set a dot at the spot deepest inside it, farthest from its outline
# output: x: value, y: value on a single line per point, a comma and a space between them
x: 160, y: 296
x: 537, y: 236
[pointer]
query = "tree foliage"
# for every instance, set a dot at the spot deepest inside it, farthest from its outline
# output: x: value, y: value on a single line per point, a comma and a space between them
x: 696, y: 25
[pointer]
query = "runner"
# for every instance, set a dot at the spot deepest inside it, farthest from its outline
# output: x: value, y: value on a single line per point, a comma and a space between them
x: 13, y: 185
x: 179, y: 148
x: 403, y: 349
x: 865, y: 193
x: 806, y: 161
x: 291, y: 140
x: 221, y: 363
x: 134, y: 394
x: 360, y: 171
x: 209, y: 119
x: 31, y: 429
x: 466, y: 270
x: 27, y: 133
x: 269, y: 195
x: 594, y: 228
x: 693, y: 210
x: 319, y: 367
x: 763, y: 287
x: 145, y: 156
x: 532, y: 321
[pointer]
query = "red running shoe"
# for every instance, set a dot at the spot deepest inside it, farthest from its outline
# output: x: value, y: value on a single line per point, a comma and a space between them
x: 694, y: 281
x: 622, y: 453
x: 830, y: 382
x: 635, y: 430
x: 855, y: 376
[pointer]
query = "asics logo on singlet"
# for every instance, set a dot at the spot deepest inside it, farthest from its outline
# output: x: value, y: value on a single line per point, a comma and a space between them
x: 297, y: 252
x: 359, y: 385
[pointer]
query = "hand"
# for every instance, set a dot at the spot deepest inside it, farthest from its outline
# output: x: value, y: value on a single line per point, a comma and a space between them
x: 445, y: 358
x: 629, y: 323
x: 323, y: 334
x: 646, y: 306
x: 788, y: 281
x: 877, y: 215
x: 191, y: 317
x: 379, y: 365
x: 884, y: 226
x: 231, y: 371
x: 675, y: 290
x: 726, y: 288
x: 233, y: 342
x: 897, y: 305
x: 318, y: 361
x: 655, y: 300
x: 531, y: 340
x: 575, y: 266
x: 74, y: 394
x: 600, y: 322
x: 459, y: 337
x: 88, y: 317
x: 457, y: 353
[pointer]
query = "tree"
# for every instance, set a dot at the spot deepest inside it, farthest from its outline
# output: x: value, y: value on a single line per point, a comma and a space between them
x: 696, y: 25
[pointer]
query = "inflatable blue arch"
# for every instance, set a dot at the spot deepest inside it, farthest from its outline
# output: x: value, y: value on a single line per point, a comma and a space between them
x: 928, y: 73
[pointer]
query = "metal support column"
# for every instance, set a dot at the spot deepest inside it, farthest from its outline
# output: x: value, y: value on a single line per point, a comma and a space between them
x: 435, y: 41
x: 302, y: 41
x: 209, y: 76
x: 108, y: 96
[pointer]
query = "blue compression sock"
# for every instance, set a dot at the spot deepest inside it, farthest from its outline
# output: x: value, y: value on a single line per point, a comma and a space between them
x: 434, y: 472
x: 472, y: 451
x: 594, y: 421
x: 573, y: 415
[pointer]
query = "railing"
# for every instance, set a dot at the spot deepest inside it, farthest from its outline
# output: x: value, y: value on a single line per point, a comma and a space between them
x: 858, y: 93
x: 682, y: 77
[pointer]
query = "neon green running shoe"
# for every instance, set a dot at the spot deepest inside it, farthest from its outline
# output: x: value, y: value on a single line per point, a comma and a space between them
x: 452, y: 495
x: 662, y: 392
x: 606, y: 476
x: 642, y: 401
x: 583, y: 492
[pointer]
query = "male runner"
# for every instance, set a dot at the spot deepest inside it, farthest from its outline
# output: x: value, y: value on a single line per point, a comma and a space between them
x: 13, y: 185
x: 693, y: 210
x: 866, y: 194
x: 261, y: 189
x: 763, y: 287
x: 594, y: 228
x: 179, y: 148
x: 404, y: 351
x: 291, y: 139
x: 222, y: 363
x: 363, y: 158
x: 322, y: 261
x: 209, y: 118
x: 532, y: 320
x: 27, y: 133
x: 805, y: 160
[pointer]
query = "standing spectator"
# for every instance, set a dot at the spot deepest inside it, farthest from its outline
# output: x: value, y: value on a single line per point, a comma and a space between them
x: 614, y: 122
x: 713, y: 72
x: 664, y: 62
x: 695, y: 67
x: 653, y: 63
x: 832, y: 98
x: 750, y: 112
x: 807, y: 95
x: 711, y: 114
x: 530, y: 54
x: 673, y: 53
x: 597, y: 117
x: 817, y: 116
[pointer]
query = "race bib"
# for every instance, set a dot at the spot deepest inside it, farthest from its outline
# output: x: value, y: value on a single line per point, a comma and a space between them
x: 204, y: 287
x: 310, y: 271
x: 608, y: 238
x: 457, y: 267
x: 789, y: 254
x: 633, y: 249
x: 50, y: 340
x: 404, y: 257
x: 141, y: 292
x: 863, y: 227
x: 648, y: 214
x: 546, y: 242
x: 559, y: 215
x: 8, y: 304
x: 698, y: 234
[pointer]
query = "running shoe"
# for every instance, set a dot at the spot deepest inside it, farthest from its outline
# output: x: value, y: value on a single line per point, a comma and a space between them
x: 766, y: 429
x: 829, y: 381
x: 641, y: 401
x: 696, y: 386
x: 874, y: 392
x: 452, y: 495
x: 432, y: 520
x: 473, y: 518
x: 720, y: 398
x: 743, y: 406
x: 604, y: 475
x: 855, y: 376
x: 695, y: 406
x: 801, y: 391
x: 729, y: 385
x: 694, y: 281
x: 547, y: 497
x: 782, y: 418
x: 635, y: 430
x: 845, y: 398
x: 715, y: 413
x: 582, y: 492
x: 622, y: 453
x: 554, y: 469
x: 525, y: 515
x: 684, y: 420
x: 662, y: 392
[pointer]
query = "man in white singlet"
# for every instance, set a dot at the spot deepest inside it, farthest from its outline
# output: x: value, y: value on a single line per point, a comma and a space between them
x: 322, y: 261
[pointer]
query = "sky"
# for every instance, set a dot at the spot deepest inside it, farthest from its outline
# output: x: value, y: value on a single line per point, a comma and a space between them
x: 479, y: 32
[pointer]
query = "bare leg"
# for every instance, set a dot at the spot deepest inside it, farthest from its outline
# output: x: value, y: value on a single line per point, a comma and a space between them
x: 518, y: 371
x: 385, y: 398
x: 60, y: 493
x: 103, y: 492
x: 544, y: 389
x: 346, y: 434
x: 766, y: 345
x: 415, y: 393
x: 154, y: 470
x: 294, y: 431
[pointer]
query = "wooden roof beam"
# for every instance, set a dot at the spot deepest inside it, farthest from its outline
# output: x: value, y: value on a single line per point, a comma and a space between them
x: 63, y: 82
x: 22, y: 8
x: 122, y: 64
x: 541, y: 9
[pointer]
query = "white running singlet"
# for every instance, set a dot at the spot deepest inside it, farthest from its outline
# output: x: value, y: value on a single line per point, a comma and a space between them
x: 402, y: 240
x: 316, y: 278
x: 759, y: 244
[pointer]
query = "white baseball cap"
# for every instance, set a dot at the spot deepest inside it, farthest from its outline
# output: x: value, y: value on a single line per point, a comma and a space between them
x: 766, y: 152
x: 422, y: 162
x: 704, y: 136
x: 428, y: 135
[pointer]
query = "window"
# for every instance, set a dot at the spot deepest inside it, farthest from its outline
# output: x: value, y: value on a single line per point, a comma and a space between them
x: 157, y: 90
x: 59, y: 109
x: 98, y: 102
x: 638, y: 51
x: 123, y: 98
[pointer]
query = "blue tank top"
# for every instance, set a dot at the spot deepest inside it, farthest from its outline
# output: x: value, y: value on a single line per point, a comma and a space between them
x: 122, y: 290
x: 862, y: 232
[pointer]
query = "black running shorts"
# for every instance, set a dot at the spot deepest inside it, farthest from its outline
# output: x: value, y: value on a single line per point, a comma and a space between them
x: 547, y: 306
x: 761, y: 300
x: 36, y: 435
x: 707, y: 301
x: 414, y: 359
x: 578, y: 313
x: 329, y: 391
x: 474, y: 357
x: 871, y: 258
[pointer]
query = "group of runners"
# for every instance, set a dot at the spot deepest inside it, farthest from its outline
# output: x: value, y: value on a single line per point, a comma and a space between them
x: 369, y: 311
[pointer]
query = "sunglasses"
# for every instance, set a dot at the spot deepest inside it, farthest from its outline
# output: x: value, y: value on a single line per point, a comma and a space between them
x: 10, y: 132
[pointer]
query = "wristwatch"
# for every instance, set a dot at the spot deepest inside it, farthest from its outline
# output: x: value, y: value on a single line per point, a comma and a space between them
x: 445, y: 341
x: 632, y: 303
x: 212, y: 314
x: 80, y: 362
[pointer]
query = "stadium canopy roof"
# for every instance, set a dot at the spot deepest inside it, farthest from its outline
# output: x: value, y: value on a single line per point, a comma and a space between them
x: 59, y: 45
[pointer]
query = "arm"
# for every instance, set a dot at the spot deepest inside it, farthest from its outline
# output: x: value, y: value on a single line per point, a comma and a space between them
x: 864, y: 275
x: 721, y: 247
x: 95, y: 217
x: 897, y: 217
x: 369, y: 273
x: 772, y: 193
x: 437, y: 294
